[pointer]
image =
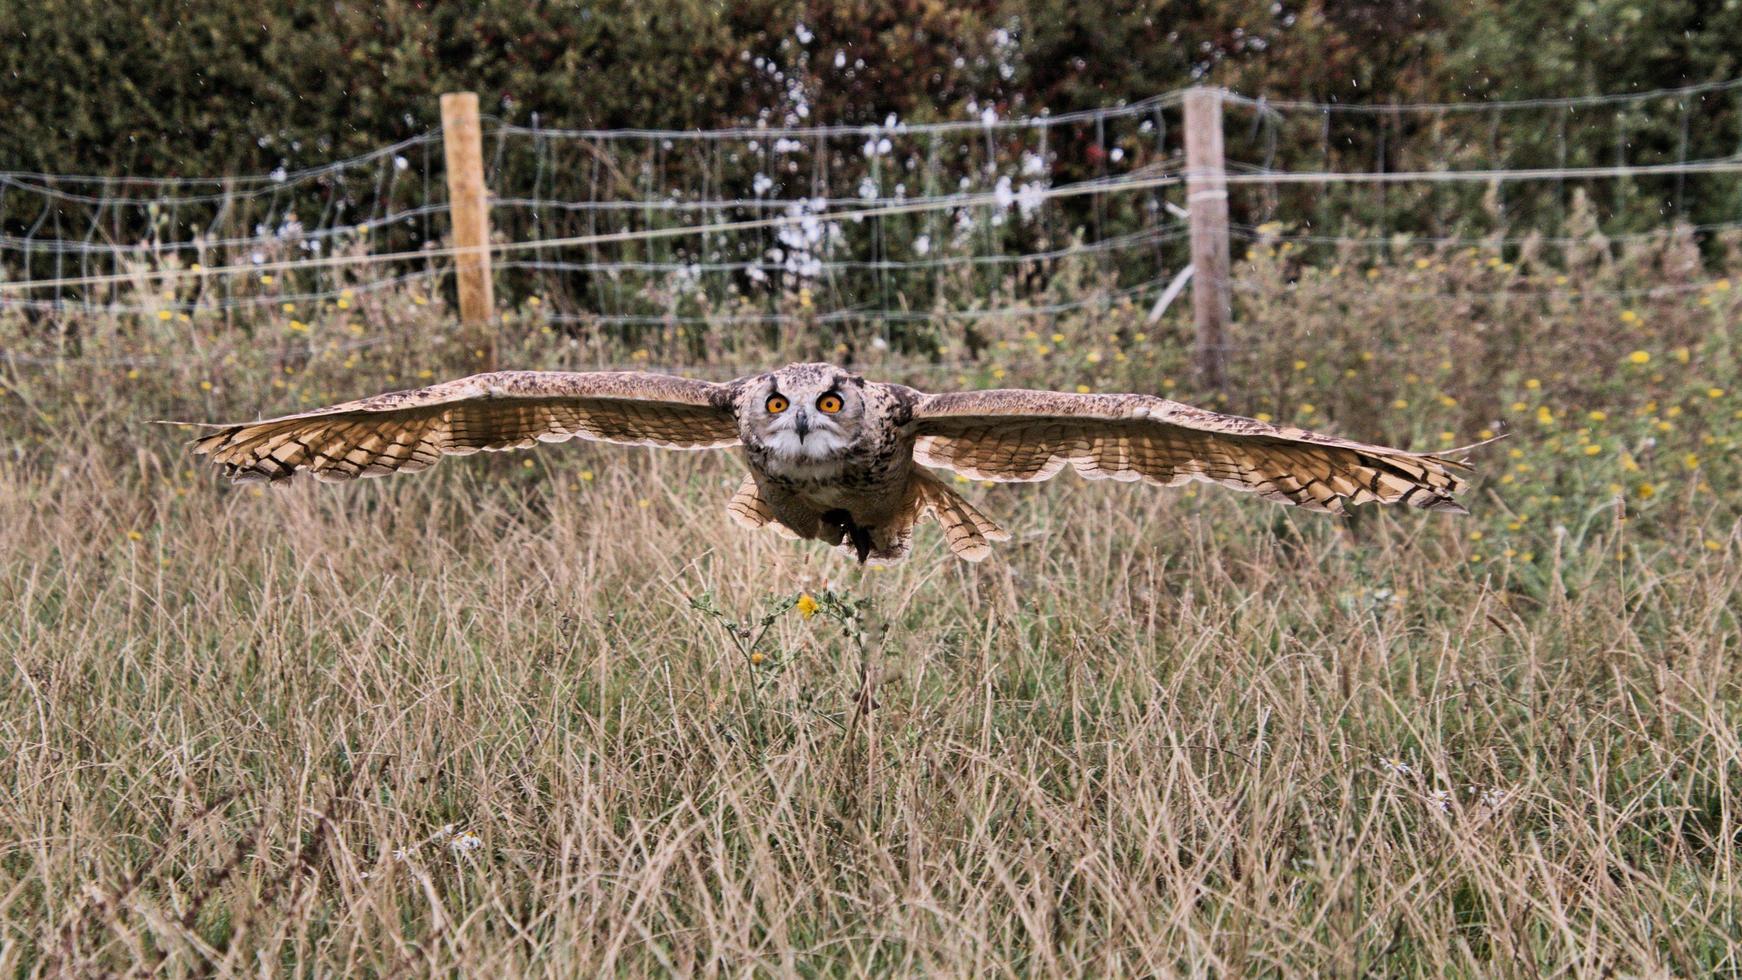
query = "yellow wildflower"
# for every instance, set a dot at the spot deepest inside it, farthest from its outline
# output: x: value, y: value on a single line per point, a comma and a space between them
x: 807, y: 605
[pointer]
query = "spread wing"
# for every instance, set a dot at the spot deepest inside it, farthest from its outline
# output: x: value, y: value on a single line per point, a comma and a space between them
x: 404, y: 431
x: 1013, y: 435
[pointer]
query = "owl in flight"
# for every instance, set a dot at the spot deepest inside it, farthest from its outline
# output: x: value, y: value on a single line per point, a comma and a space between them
x: 836, y: 458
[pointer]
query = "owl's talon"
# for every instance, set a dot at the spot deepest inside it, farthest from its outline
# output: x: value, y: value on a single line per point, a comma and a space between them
x: 842, y: 522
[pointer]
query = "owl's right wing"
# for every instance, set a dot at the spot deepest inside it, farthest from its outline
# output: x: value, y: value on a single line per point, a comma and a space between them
x: 404, y: 431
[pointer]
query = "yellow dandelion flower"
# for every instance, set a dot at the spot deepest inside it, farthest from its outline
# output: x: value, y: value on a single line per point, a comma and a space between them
x: 1714, y: 393
x: 1083, y: 389
x: 1691, y: 461
x: 1533, y: 384
x: 1263, y: 417
x: 586, y: 476
x: 1597, y: 416
x: 1713, y: 544
x: 807, y: 605
x: 1629, y: 316
x: 1645, y: 491
x: 165, y: 315
x: 1423, y: 263
x: 135, y: 536
x: 1639, y: 357
x: 1307, y: 408
x: 1400, y: 403
x: 644, y: 503
x: 757, y: 657
x: 1300, y: 365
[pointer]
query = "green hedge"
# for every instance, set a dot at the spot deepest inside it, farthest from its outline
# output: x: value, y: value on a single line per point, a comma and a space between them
x: 154, y: 87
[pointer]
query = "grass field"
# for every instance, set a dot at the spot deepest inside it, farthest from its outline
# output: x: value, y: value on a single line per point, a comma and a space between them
x: 474, y: 721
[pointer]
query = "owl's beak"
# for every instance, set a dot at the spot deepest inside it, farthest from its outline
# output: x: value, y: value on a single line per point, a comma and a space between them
x: 801, y: 425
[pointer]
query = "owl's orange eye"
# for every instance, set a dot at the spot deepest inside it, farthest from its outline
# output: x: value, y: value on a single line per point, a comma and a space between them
x: 830, y: 403
x: 777, y: 404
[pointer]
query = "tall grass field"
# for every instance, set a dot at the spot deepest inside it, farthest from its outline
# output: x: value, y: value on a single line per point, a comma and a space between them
x: 551, y: 713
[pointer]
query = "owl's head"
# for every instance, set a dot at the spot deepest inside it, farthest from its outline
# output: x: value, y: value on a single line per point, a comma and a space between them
x: 803, y: 412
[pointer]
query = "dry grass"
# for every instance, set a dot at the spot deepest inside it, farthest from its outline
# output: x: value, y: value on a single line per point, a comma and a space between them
x: 1158, y: 733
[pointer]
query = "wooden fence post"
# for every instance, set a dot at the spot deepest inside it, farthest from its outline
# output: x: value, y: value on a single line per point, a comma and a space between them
x: 1207, y: 200
x: 468, y: 204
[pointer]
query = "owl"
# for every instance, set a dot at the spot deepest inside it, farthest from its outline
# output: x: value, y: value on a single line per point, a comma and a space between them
x: 837, y: 458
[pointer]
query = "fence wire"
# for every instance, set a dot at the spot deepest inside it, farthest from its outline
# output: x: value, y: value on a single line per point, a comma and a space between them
x: 881, y: 224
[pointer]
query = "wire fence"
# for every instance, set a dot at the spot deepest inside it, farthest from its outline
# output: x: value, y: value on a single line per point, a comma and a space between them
x: 877, y: 226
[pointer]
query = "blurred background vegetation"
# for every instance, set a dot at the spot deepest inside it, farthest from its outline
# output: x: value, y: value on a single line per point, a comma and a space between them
x: 199, y: 88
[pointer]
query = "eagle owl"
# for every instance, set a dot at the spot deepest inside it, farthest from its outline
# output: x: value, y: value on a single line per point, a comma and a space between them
x: 836, y: 458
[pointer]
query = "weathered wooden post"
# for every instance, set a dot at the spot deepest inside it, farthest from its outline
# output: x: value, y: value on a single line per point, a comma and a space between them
x: 1207, y: 200
x: 468, y: 204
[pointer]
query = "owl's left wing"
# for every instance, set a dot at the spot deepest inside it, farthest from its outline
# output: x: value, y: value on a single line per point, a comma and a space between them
x: 1015, y: 435
x: 404, y: 431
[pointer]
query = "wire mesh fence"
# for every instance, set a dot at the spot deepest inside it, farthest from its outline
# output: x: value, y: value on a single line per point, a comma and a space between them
x: 880, y: 227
